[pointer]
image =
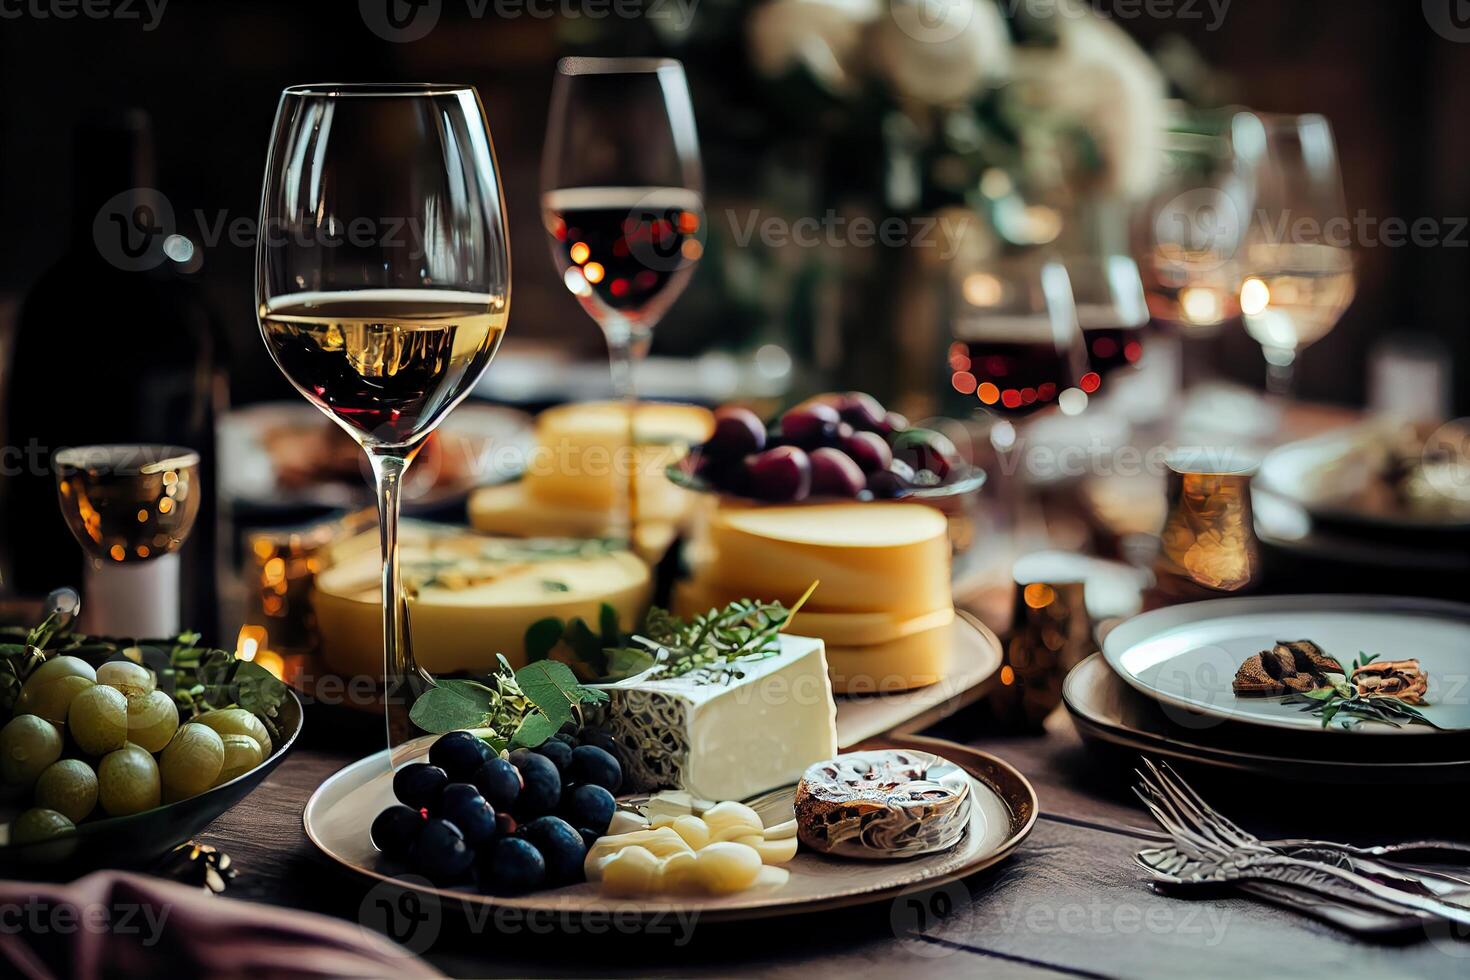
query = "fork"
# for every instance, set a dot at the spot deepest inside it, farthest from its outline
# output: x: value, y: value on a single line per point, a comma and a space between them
x: 1163, y: 785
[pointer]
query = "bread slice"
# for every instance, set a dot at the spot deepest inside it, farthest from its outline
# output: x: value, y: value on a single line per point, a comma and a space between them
x: 1255, y: 680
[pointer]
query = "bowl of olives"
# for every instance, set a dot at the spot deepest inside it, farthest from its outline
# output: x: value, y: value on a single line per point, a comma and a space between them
x: 112, y: 754
x: 837, y: 446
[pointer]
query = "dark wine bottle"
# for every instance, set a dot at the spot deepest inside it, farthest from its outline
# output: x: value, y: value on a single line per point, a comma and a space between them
x: 112, y: 345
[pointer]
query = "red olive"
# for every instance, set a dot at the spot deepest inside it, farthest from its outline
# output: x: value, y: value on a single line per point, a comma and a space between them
x: 738, y: 432
x: 834, y: 474
x: 861, y: 411
x: 812, y: 424
x: 869, y: 451
x: 780, y: 474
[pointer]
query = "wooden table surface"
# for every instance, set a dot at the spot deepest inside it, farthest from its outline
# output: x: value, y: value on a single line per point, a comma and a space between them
x: 1069, y: 902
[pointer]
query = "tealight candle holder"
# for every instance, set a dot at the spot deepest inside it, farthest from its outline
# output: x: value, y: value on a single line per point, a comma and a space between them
x: 130, y: 507
x: 1208, y: 547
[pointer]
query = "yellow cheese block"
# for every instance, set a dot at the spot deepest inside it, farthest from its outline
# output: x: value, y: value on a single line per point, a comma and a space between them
x: 471, y: 597
x: 508, y: 509
x: 868, y: 557
x: 837, y: 629
x: 582, y: 451
x: 916, y: 660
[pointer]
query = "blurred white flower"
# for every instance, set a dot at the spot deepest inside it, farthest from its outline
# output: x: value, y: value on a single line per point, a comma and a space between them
x: 1097, y: 76
x: 824, y: 36
x: 941, y: 51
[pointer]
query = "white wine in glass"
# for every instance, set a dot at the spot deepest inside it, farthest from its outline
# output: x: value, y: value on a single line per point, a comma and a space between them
x: 384, y: 330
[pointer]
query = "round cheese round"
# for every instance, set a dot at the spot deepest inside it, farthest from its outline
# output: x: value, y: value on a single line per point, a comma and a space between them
x: 883, y: 804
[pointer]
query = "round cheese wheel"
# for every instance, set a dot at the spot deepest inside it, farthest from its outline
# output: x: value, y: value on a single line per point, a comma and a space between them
x: 883, y: 804
x: 471, y: 598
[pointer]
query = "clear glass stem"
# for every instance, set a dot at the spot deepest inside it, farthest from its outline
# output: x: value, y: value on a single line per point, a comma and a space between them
x: 1280, y: 372
x: 403, y: 680
x: 625, y: 351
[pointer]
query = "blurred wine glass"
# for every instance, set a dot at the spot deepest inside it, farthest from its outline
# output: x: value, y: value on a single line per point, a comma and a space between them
x: 384, y: 331
x: 1189, y: 236
x: 622, y: 201
x: 1017, y: 350
x: 1111, y: 310
x: 1297, y: 264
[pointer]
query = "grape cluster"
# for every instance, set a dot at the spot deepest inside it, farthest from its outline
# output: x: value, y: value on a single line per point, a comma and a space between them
x: 512, y: 824
x: 84, y: 740
x: 834, y: 445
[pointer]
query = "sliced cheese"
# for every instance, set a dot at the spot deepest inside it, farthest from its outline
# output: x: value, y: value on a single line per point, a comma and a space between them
x: 725, y: 738
x: 898, y: 665
x: 510, y: 510
x: 693, y: 597
x: 869, y: 557
x: 471, y: 597
x: 582, y: 450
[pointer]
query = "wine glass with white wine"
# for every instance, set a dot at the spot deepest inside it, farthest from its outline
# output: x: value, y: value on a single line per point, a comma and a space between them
x: 383, y: 286
x: 1298, y: 262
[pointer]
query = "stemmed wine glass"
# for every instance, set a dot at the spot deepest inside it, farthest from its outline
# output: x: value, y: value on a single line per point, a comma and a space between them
x: 1112, y: 312
x: 1018, y: 350
x: 622, y: 201
x: 383, y: 286
x: 1298, y: 262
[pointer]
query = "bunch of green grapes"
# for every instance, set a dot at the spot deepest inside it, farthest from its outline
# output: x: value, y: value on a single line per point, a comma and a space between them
x: 84, y: 740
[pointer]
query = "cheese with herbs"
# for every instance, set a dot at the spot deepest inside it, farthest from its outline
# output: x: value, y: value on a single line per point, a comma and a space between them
x: 471, y: 597
x: 724, y: 737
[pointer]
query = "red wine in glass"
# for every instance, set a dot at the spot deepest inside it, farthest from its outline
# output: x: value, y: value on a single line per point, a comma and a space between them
x: 625, y: 252
x: 1016, y: 378
x: 1111, y: 346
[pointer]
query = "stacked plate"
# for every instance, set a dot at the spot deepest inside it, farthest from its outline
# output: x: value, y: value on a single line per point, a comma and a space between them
x: 1163, y: 686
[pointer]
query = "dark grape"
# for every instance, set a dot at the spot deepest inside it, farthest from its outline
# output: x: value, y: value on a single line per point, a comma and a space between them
x: 589, y: 806
x: 592, y: 765
x: 739, y: 432
x: 459, y: 754
x: 418, y: 785
x: 893, y: 422
x: 589, y: 836
x: 559, y: 752
x: 395, y: 830
x: 462, y: 805
x: 834, y: 474
x: 861, y: 411
x: 780, y: 474
x: 499, y: 782
x: 811, y: 424
x: 440, y: 853
x: 560, y: 846
x: 569, y: 727
x: 869, y: 451
x: 542, y: 784
x: 925, y: 449
x: 570, y: 738
x: 601, y: 739
x: 892, y: 482
x: 512, y: 866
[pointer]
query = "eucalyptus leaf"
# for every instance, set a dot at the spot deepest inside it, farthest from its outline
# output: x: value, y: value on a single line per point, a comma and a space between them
x: 534, y: 729
x: 449, y: 706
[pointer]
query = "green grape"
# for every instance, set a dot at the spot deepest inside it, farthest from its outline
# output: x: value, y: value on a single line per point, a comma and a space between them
x: 152, y: 719
x: 124, y: 674
x: 56, y: 667
x: 237, y: 721
x: 127, y: 781
x: 51, y: 697
x: 98, y: 720
x: 242, y: 754
x: 191, y: 762
x: 69, y: 787
x: 28, y: 744
x: 38, y: 824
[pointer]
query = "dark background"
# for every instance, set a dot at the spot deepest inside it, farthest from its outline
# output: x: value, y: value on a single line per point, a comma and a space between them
x: 209, y: 75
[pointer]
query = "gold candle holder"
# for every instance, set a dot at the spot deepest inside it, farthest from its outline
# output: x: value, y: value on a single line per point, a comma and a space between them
x: 1208, y: 547
x: 1051, y: 632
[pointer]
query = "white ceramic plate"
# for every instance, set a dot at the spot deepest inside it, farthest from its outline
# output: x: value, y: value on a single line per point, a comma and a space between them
x: 1186, y: 656
x: 339, y: 813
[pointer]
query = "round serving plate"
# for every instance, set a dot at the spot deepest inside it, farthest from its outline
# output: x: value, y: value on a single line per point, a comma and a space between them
x: 339, y: 813
x: 139, y: 839
x: 490, y: 445
x: 681, y: 475
x: 1186, y: 656
x: 1108, y: 712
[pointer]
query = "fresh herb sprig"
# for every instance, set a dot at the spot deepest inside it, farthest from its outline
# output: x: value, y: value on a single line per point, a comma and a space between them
x: 1339, y: 696
x: 508, y: 708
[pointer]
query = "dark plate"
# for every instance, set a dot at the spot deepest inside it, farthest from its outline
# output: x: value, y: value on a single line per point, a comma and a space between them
x: 1109, y: 712
x: 138, y: 840
x: 680, y: 474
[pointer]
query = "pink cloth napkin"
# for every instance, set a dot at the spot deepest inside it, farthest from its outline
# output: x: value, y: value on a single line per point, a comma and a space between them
x: 116, y: 924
